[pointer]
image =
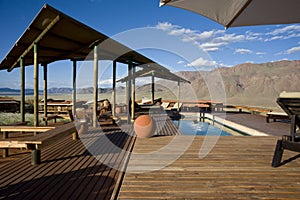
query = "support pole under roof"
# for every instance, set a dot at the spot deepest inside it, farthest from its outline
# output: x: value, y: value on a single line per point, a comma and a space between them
x: 45, y: 66
x: 22, y: 89
x: 95, y: 120
x: 36, y: 86
x: 74, y: 87
x: 153, y: 87
x: 132, y: 91
x: 128, y: 94
x: 178, y: 94
x: 114, y: 89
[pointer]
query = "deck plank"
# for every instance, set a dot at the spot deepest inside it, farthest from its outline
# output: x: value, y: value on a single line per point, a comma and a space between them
x: 237, y: 167
x: 68, y: 170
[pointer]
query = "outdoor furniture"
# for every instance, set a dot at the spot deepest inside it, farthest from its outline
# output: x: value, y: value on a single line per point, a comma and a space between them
x: 40, y: 141
x: 165, y: 105
x: 53, y: 117
x: 175, y: 107
x: 276, y: 115
x: 290, y: 103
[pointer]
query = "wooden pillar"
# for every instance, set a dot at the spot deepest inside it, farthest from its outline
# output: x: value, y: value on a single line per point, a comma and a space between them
x: 45, y: 92
x: 132, y: 91
x: 114, y: 89
x: 36, y: 86
x: 152, y: 88
x: 178, y: 94
x: 74, y: 87
x: 128, y: 94
x: 22, y: 89
x: 95, y: 120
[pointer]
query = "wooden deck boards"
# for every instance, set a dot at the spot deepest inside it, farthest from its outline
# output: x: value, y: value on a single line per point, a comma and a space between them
x: 68, y: 171
x: 237, y: 168
x: 259, y: 123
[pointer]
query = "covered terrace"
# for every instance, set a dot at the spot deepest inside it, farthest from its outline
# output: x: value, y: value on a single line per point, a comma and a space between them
x: 54, y: 36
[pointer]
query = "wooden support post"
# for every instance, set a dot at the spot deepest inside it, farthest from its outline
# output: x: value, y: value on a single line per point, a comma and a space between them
x: 22, y: 89
x: 132, y: 91
x: 45, y: 93
x: 5, y: 135
x: 128, y: 90
x: 114, y: 89
x: 36, y: 157
x: 36, y: 86
x: 95, y: 120
x: 74, y: 88
x: 178, y: 95
x: 75, y: 135
x: 5, y: 152
x: 153, y: 87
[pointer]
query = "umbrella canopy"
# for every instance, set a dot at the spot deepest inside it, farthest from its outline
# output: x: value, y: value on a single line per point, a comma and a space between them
x: 233, y: 13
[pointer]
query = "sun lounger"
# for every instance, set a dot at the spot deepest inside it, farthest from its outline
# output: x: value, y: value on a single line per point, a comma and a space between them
x: 165, y: 105
x: 290, y: 103
x: 177, y: 106
x: 276, y: 115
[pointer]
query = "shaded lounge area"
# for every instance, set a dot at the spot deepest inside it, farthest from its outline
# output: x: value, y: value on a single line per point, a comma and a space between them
x: 50, y: 37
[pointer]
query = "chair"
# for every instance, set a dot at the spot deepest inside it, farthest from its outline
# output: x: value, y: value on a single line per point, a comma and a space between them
x: 165, y: 105
x: 105, y: 114
x: 177, y: 106
x: 276, y: 115
x: 290, y: 103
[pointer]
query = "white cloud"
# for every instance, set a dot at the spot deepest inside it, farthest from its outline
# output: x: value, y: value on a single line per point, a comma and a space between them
x: 217, y: 40
x: 243, y: 51
x: 286, y: 29
x: 230, y: 38
x: 293, y: 50
x: 212, y: 46
x: 165, y: 26
x: 200, y: 62
x: 180, y: 62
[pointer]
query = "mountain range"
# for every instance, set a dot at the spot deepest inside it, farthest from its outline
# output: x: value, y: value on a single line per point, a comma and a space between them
x: 245, y: 84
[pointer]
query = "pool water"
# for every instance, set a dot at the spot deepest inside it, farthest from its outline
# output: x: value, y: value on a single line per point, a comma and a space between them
x: 194, y: 127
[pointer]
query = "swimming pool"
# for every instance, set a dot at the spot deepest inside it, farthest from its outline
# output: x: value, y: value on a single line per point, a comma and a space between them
x: 195, y: 127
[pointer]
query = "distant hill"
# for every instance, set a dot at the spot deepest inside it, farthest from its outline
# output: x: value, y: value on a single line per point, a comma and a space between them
x: 245, y: 84
x: 64, y: 90
x: 9, y: 91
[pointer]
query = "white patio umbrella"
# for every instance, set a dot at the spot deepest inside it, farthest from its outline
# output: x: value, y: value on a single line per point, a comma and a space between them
x: 233, y: 13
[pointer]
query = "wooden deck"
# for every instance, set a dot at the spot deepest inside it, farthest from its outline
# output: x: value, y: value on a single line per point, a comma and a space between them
x: 259, y: 123
x: 89, y: 168
x: 68, y: 170
x: 237, y: 168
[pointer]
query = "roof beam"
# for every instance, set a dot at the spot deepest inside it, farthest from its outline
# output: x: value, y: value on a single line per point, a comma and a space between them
x: 50, y: 25
x: 61, y: 37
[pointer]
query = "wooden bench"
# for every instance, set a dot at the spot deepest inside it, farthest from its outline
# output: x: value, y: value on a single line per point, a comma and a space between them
x: 35, y: 144
x: 5, y: 130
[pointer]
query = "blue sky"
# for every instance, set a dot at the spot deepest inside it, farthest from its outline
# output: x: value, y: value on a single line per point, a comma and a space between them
x: 140, y: 20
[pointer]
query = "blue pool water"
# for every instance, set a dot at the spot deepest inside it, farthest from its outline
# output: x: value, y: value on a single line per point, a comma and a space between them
x: 190, y: 127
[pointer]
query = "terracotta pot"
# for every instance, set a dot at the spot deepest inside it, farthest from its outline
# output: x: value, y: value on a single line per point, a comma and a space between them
x: 144, y: 126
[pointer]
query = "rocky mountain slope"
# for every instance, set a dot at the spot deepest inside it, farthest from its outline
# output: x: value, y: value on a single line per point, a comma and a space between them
x: 244, y: 84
